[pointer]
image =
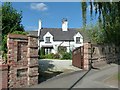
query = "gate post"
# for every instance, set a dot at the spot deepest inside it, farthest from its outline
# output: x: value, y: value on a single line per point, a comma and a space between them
x: 32, y: 56
x: 22, y: 60
x: 87, y: 55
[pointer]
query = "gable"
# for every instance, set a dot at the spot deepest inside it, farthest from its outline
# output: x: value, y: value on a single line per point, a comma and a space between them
x: 78, y: 35
x: 48, y: 35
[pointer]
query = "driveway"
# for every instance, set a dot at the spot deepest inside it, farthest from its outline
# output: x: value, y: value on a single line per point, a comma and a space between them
x: 49, y: 68
x: 93, y: 79
x: 56, y: 65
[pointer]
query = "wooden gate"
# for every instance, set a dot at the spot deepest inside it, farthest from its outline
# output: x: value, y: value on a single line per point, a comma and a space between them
x: 77, y: 57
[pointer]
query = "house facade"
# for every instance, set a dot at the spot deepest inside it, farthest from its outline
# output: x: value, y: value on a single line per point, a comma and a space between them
x: 51, y: 38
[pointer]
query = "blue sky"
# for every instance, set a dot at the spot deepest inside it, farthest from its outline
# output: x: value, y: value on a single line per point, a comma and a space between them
x: 51, y: 14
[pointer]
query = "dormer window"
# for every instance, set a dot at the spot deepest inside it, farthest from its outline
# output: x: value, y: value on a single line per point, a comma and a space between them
x: 78, y: 40
x: 47, y: 40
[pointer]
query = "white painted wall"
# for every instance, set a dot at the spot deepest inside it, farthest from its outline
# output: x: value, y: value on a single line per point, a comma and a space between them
x: 55, y: 44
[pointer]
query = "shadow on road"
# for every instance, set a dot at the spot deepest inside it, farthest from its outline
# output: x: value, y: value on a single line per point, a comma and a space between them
x: 45, y: 72
x: 79, y: 79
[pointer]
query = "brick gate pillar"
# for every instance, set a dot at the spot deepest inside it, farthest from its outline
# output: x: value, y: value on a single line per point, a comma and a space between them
x: 22, y: 60
x: 87, y: 55
x: 32, y: 60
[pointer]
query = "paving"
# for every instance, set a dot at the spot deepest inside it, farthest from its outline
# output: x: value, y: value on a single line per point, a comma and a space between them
x: 93, y: 79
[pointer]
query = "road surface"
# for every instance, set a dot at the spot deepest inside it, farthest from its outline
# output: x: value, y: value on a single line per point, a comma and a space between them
x: 93, y: 79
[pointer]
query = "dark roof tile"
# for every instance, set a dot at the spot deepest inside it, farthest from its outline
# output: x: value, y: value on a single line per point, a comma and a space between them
x: 60, y: 35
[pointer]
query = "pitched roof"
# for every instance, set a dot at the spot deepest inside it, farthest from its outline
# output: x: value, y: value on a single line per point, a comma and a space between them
x: 58, y: 34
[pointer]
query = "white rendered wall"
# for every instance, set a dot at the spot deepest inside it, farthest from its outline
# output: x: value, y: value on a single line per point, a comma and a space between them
x: 70, y: 45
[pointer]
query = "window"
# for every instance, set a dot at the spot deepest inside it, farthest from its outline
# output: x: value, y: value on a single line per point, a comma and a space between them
x: 78, y: 40
x: 48, y: 50
x: 47, y: 39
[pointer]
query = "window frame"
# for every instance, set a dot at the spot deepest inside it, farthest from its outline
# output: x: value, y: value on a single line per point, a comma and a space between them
x: 78, y: 41
x: 47, y: 40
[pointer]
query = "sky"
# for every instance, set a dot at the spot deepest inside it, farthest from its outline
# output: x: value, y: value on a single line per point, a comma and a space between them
x: 51, y: 14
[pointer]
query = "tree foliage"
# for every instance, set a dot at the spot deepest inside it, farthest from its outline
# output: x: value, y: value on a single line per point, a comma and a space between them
x: 11, y: 19
x: 109, y: 17
x: 11, y: 22
x: 96, y: 34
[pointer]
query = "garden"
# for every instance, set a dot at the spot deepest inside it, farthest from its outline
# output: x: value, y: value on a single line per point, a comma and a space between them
x: 61, y: 55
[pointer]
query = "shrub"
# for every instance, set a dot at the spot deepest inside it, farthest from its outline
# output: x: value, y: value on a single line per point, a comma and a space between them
x: 56, y: 56
x: 41, y: 56
x: 49, y: 56
x: 66, y: 55
x: 62, y: 49
x: 20, y: 32
x: 41, y: 53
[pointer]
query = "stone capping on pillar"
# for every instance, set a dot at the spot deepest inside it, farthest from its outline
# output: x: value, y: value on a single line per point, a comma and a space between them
x: 17, y: 36
x: 29, y: 35
x: 3, y: 67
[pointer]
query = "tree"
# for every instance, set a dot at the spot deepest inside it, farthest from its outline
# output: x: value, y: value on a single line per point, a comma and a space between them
x: 109, y: 18
x: 11, y: 21
x: 96, y: 34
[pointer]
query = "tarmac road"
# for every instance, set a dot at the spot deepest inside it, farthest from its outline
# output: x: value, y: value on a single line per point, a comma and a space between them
x: 93, y: 79
x: 96, y: 78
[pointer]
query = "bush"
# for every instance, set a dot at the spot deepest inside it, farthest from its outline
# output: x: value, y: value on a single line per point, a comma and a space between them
x: 49, y: 56
x: 41, y: 56
x: 56, y: 56
x: 4, y: 44
x: 41, y: 53
x: 66, y: 56
x: 62, y: 49
x: 20, y: 32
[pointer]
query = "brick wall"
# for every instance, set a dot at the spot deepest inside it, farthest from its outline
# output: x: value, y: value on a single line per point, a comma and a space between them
x: 22, y: 60
x: 97, y: 54
x: 103, y: 54
x: 3, y: 76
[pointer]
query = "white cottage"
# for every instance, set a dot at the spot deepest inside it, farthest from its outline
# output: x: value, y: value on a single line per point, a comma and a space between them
x: 51, y: 38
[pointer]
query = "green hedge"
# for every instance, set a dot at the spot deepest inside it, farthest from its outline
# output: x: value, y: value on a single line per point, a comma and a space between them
x: 50, y: 56
x: 66, y: 56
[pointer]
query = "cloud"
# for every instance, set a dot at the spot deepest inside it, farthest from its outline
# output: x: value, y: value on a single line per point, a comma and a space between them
x: 39, y: 6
